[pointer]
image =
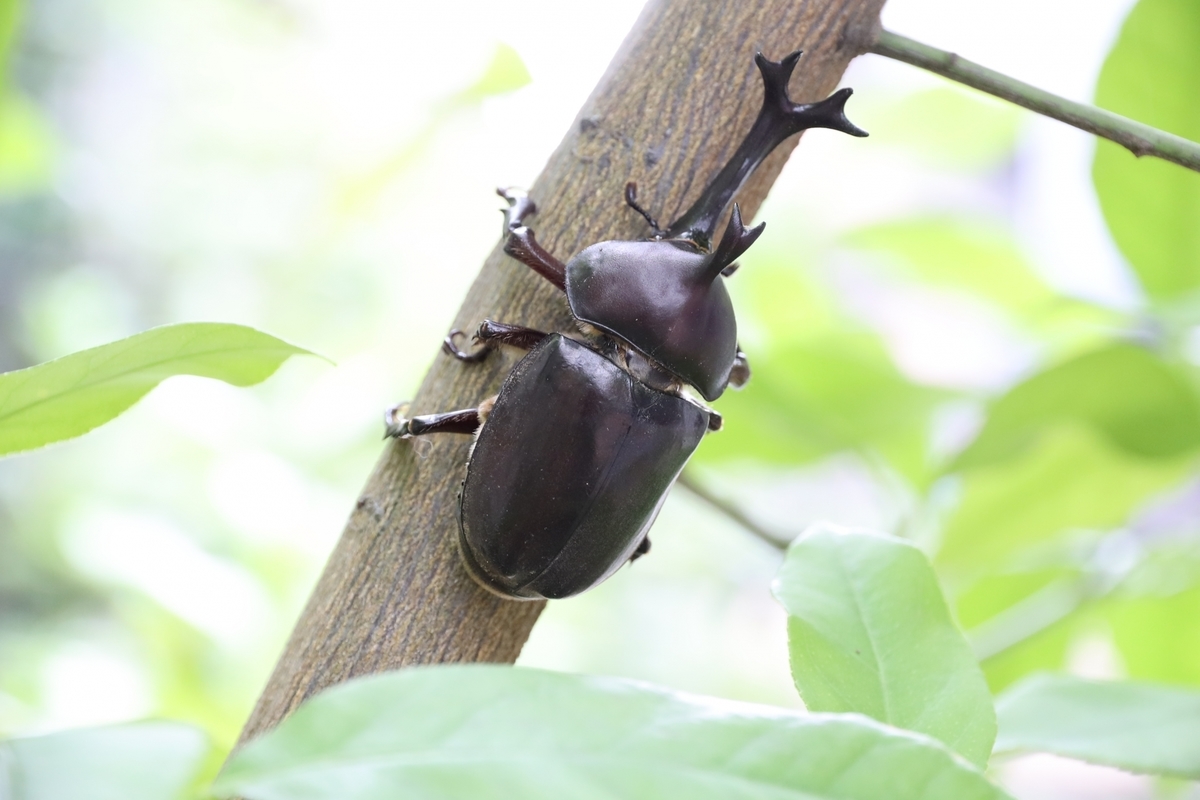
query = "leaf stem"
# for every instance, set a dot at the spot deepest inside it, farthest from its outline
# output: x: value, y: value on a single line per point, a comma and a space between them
x: 1140, y: 139
x: 730, y: 511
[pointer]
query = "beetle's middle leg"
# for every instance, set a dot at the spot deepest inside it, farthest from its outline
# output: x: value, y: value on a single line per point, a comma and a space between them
x: 521, y: 243
x: 488, y: 336
x: 467, y: 420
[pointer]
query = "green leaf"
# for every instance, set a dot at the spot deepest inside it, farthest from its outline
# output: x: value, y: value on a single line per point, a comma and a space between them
x: 809, y: 399
x: 961, y: 254
x: 869, y: 631
x: 1072, y: 478
x: 501, y: 732
x: 1139, y: 727
x: 139, y: 761
x: 73, y: 394
x: 505, y: 73
x: 26, y: 145
x: 1133, y: 398
x: 1152, y: 206
x: 951, y: 127
x: 1159, y: 637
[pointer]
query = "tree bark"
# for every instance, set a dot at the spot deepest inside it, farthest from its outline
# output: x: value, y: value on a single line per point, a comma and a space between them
x: 676, y: 100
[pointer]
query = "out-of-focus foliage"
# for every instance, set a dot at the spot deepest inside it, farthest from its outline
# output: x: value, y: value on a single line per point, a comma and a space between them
x: 579, y: 737
x: 144, y: 760
x: 1136, y: 726
x: 1152, y: 206
x: 869, y: 632
x: 1134, y: 400
x: 73, y: 394
x: 324, y: 171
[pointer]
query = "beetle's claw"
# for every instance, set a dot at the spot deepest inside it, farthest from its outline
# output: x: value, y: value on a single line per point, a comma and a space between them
x: 450, y: 347
x: 519, y: 207
x: 396, y: 423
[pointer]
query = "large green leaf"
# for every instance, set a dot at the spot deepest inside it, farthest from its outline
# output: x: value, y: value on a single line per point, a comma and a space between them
x: 1140, y: 727
x: 73, y: 394
x: 869, y: 631
x: 1126, y: 393
x: 140, y: 761
x: 501, y: 732
x: 1153, y: 207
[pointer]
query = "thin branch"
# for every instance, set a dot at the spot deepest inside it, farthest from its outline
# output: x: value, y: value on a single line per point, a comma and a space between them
x: 731, y: 511
x: 1139, y: 139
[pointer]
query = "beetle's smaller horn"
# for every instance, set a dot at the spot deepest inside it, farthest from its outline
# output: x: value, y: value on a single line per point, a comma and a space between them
x: 736, y: 241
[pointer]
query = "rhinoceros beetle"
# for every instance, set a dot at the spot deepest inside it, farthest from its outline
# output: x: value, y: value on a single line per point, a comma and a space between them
x: 574, y: 456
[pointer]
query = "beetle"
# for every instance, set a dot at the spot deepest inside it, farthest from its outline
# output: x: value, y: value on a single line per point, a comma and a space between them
x: 574, y: 456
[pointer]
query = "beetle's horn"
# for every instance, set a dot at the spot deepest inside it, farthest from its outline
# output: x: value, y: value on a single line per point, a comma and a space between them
x: 736, y: 241
x: 786, y: 117
x: 778, y: 119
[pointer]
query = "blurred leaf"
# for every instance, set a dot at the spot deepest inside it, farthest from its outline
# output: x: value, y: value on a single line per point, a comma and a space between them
x: 76, y: 393
x: 1134, y: 726
x: 26, y: 145
x: 10, y: 19
x: 1071, y: 478
x: 813, y: 398
x: 869, y: 631
x: 949, y: 126
x: 139, y: 761
x: 1152, y: 207
x: 961, y: 254
x: 501, y: 732
x: 1159, y: 637
x: 505, y: 73
x: 1139, y: 402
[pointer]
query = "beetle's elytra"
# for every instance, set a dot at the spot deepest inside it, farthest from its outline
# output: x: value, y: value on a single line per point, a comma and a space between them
x: 591, y: 428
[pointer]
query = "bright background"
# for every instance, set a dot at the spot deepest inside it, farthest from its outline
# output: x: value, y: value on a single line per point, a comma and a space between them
x: 325, y: 172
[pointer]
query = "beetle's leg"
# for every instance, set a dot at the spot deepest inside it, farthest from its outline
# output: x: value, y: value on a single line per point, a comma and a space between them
x: 715, y: 421
x: 740, y: 374
x: 521, y: 243
x: 513, y: 335
x: 778, y: 119
x: 490, y: 334
x: 401, y: 427
x: 642, y: 548
x: 631, y: 201
x: 450, y: 347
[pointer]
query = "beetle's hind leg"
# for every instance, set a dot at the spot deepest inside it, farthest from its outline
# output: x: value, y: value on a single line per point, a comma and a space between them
x: 642, y: 548
x: 521, y: 244
x: 488, y: 335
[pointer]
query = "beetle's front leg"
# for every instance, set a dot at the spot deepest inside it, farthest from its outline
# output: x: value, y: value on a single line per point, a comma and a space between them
x: 488, y: 335
x: 521, y: 244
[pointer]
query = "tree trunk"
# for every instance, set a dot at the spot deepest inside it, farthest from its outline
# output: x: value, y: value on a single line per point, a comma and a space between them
x: 674, y: 103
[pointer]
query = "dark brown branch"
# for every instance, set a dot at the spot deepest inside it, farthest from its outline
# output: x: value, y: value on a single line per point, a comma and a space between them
x: 677, y: 98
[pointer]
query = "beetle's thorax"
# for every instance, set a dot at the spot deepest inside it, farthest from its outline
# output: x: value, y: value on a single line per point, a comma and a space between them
x: 661, y: 298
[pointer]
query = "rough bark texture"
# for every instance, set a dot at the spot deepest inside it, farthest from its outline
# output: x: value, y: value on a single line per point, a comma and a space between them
x: 673, y: 105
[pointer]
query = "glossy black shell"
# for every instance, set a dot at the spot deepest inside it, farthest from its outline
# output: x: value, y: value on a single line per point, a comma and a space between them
x: 660, y: 297
x: 569, y: 472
